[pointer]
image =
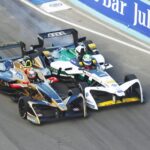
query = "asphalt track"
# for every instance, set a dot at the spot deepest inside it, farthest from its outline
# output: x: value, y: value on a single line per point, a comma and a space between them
x: 119, y: 128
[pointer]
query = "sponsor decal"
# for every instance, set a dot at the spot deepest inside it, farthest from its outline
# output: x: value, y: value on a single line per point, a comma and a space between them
x: 19, y: 75
x: 76, y: 109
x: 54, y: 6
x: 56, y: 34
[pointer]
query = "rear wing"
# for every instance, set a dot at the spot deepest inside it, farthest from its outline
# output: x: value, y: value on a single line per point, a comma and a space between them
x: 58, y: 33
x: 12, y: 50
x: 55, y: 34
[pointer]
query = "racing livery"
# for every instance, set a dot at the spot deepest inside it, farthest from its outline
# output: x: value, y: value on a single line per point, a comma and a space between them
x: 38, y: 101
x: 99, y: 88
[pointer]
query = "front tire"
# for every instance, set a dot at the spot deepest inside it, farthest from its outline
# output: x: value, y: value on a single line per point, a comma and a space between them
x: 82, y: 86
x: 130, y: 77
x: 23, y: 106
x: 134, y: 89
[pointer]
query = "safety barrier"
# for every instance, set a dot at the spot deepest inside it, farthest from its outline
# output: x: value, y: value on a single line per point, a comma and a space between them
x: 134, y: 15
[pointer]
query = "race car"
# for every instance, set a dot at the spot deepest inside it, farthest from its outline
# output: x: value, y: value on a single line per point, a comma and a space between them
x: 39, y: 99
x: 63, y: 45
x: 99, y: 88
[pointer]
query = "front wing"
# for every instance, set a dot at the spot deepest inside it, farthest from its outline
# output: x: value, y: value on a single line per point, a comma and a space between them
x: 98, y: 97
x: 42, y: 111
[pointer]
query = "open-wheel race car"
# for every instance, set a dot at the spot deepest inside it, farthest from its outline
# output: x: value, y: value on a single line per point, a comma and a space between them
x: 78, y: 58
x: 39, y: 99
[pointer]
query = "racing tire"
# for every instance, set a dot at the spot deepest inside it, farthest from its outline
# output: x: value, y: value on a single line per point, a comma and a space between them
x: 23, y: 106
x: 130, y: 77
x: 82, y: 86
x: 81, y: 105
x: 135, y: 88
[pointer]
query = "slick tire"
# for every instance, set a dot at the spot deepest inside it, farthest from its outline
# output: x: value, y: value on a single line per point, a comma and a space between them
x: 23, y: 106
x: 135, y: 88
x: 130, y: 77
x: 82, y: 86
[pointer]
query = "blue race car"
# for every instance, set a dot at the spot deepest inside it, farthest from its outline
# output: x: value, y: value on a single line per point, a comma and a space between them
x: 39, y: 99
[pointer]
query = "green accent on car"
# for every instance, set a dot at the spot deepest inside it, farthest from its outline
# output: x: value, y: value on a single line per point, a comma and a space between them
x: 67, y: 55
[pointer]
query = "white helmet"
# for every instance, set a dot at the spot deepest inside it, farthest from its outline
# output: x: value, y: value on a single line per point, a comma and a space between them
x: 31, y: 74
x: 80, y: 49
x: 87, y: 60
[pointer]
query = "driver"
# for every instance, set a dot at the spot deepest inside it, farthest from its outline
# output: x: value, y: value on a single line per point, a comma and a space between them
x: 27, y: 62
x: 33, y: 76
x: 29, y: 71
x: 88, y: 62
x: 80, y: 51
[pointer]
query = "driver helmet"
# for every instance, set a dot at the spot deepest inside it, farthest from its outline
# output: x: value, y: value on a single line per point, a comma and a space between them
x: 8, y: 64
x: 27, y: 61
x: 87, y: 60
x: 79, y: 50
x: 31, y: 74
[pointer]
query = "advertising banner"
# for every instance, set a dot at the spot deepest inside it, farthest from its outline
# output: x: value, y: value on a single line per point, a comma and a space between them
x: 135, y: 14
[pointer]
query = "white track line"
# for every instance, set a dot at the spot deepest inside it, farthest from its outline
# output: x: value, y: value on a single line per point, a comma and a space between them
x: 86, y: 29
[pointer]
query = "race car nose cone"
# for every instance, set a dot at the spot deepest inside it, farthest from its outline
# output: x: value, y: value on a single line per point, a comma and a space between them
x: 120, y: 93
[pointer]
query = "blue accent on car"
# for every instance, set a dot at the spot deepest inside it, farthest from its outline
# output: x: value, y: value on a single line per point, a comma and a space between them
x: 6, y: 76
x: 74, y: 61
x: 99, y: 73
x: 49, y: 91
x: 72, y: 98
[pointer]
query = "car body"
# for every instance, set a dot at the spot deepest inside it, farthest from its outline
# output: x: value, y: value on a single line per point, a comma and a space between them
x: 38, y: 101
x: 99, y: 88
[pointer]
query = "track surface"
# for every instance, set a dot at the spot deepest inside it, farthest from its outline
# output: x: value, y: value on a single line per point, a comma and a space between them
x: 121, y: 128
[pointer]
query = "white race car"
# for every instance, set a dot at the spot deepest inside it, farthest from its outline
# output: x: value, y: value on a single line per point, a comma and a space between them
x: 99, y: 88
